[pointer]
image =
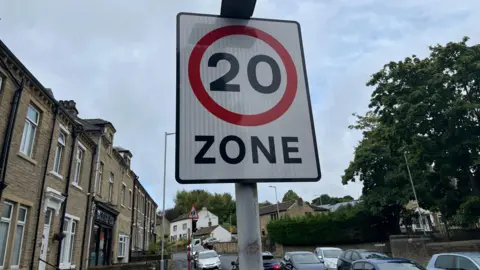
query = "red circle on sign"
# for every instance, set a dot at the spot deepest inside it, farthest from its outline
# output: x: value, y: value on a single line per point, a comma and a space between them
x: 213, y: 107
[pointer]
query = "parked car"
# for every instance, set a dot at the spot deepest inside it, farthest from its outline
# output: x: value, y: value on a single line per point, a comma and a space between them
x: 207, y: 259
x: 301, y: 260
x: 269, y: 262
x: 386, y: 264
x: 457, y: 260
x: 329, y: 256
x: 349, y: 256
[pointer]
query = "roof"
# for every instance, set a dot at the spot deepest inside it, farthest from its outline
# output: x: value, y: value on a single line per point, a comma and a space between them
x: 99, y: 122
x: 234, y: 231
x: 205, y: 231
x: 269, y: 209
x: 86, y: 125
x: 336, y: 206
x: 181, y: 217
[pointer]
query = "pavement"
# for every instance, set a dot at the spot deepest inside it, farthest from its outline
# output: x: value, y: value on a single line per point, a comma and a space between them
x: 179, y: 261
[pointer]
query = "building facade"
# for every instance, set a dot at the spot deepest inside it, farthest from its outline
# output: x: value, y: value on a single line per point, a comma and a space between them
x: 158, y: 227
x: 180, y: 226
x: 143, y: 220
x: 66, y: 194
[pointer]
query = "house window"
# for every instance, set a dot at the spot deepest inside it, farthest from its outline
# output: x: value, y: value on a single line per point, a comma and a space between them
x: 5, y: 221
x: 129, y: 199
x: 122, y: 194
x: 68, y: 242
x: 184, y: 226
x: 18, y: 240
x: 29, y: 131
x: 78, y: 165
x: 184, y: 236
x: 175, y: 228
x: 57, y: 162
x: 274, y: 216
x: 110, y: 188
x: 122, y: 246
x: 100, y: 179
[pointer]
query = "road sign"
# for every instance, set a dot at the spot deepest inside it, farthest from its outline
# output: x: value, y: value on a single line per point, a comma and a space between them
x: 193, y: 213
x: 243, y: 104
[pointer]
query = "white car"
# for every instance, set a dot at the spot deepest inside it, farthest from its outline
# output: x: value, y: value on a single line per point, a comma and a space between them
x: 207, y: 259
x: 329, y: 256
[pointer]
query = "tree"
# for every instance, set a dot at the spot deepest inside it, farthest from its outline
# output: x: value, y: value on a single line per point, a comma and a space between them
x: 290, y: 196
x: 265, y: 203
x: 428, y: 109
x: 326, y: 199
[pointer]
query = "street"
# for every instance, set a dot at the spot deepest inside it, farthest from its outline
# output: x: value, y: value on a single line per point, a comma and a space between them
x: 179, y: 261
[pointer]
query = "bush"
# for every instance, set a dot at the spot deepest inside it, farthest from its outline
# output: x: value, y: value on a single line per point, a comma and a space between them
x: 345, y: 226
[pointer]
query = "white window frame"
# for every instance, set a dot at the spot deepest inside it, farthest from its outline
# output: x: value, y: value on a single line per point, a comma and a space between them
x: 130, y: 193
x: 66, y: 247
x: 9, y: 223
x: 78, y: 164
x: 27, y: 147
x: 57, y: 161
x: 184, y: 226
x: 21, y: 223
x: 123, y: 239
x: 100, y: 178
x: 110, y: 187
x: 123, y: 194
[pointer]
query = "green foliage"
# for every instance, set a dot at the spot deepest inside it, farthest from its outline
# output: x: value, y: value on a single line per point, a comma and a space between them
x: 222, y: 205
x: 290, y: 196
x: 345, y: 226
x: 326, y: 199
x: 154, y: 248
x: 265, y: 203
x: 428, y: 109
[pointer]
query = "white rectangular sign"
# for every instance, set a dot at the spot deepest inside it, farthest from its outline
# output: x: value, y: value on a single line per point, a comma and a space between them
x: 243, y: 104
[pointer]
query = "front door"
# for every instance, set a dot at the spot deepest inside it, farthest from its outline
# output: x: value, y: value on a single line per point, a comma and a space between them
x: 45, y: 235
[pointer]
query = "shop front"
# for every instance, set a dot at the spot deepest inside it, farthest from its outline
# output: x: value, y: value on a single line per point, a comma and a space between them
x: 102, y: 235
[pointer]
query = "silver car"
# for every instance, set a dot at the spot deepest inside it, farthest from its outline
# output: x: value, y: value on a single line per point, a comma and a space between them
x: 328, y: 256
x: 207, y: 259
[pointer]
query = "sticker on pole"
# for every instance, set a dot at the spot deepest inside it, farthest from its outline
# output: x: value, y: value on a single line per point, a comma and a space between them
x: 193, y: 213
x: 243, y: 104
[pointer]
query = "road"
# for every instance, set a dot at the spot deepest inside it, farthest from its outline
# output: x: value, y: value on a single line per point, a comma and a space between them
x: 180, y: 261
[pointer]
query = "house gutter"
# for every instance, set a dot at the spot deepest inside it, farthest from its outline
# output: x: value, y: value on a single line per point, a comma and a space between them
x: 67, y: 188
x: 44, y: 180
x: 133, y: 217
x: 97, y: 168
x: 7, y: 140
x: 90, y: 195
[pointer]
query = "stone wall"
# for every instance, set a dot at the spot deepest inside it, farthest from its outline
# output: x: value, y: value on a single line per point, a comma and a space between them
x: 153, y: 265
x: 226, y: 247
x: 421, y: 248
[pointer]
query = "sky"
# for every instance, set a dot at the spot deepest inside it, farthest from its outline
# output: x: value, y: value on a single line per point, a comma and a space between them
x: 116, y: 59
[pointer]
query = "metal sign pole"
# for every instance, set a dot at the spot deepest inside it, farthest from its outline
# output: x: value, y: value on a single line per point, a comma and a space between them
x: 248, y: 227
x: 189, y: 258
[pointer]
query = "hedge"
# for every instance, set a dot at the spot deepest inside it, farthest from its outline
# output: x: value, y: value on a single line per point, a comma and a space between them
x: 345, y: 226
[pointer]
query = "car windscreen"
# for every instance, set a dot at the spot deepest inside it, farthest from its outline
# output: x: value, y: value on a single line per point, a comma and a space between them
x: 305, y: 258
x: 332, y: 253
x: 207, y: 255
x: 372, y: 255
x: 268, y: 257
x: 399, y: 266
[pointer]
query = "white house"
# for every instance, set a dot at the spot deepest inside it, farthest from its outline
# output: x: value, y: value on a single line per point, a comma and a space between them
x: 219, y: 232
x: 206, y: 219
x: 179, y: 226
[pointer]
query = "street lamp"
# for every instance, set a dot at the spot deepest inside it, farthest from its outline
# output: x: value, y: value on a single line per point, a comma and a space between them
x: 162, y: 263
x: 414, y: 194
x: 276, y: 198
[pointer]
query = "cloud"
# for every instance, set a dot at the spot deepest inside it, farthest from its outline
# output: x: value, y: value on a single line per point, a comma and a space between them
x: 116, y: 60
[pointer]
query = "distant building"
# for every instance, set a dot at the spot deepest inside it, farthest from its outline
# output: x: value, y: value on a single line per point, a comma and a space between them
x: 158, y: 227
x: 221, y: 233
x: 179, y: 227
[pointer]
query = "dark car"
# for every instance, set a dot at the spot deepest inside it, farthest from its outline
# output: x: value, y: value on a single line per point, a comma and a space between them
x: 301, y: 260
x: 349, y: 256
x: 386, y: 264
x: 269, y: 262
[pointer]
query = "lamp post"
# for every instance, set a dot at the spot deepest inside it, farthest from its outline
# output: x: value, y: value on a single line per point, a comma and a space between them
x: 276, y: 198
x: 414, y: 194
x: 162, y: 262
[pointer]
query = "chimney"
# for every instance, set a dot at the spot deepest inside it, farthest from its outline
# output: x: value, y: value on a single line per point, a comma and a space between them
x: 69, y: 106
x: 49, y: 90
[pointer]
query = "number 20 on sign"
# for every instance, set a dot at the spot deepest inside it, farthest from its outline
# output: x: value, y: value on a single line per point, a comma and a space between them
x: 243, y: 103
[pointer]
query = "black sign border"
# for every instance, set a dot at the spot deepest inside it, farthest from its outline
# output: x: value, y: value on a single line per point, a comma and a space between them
x: 177, y: 114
